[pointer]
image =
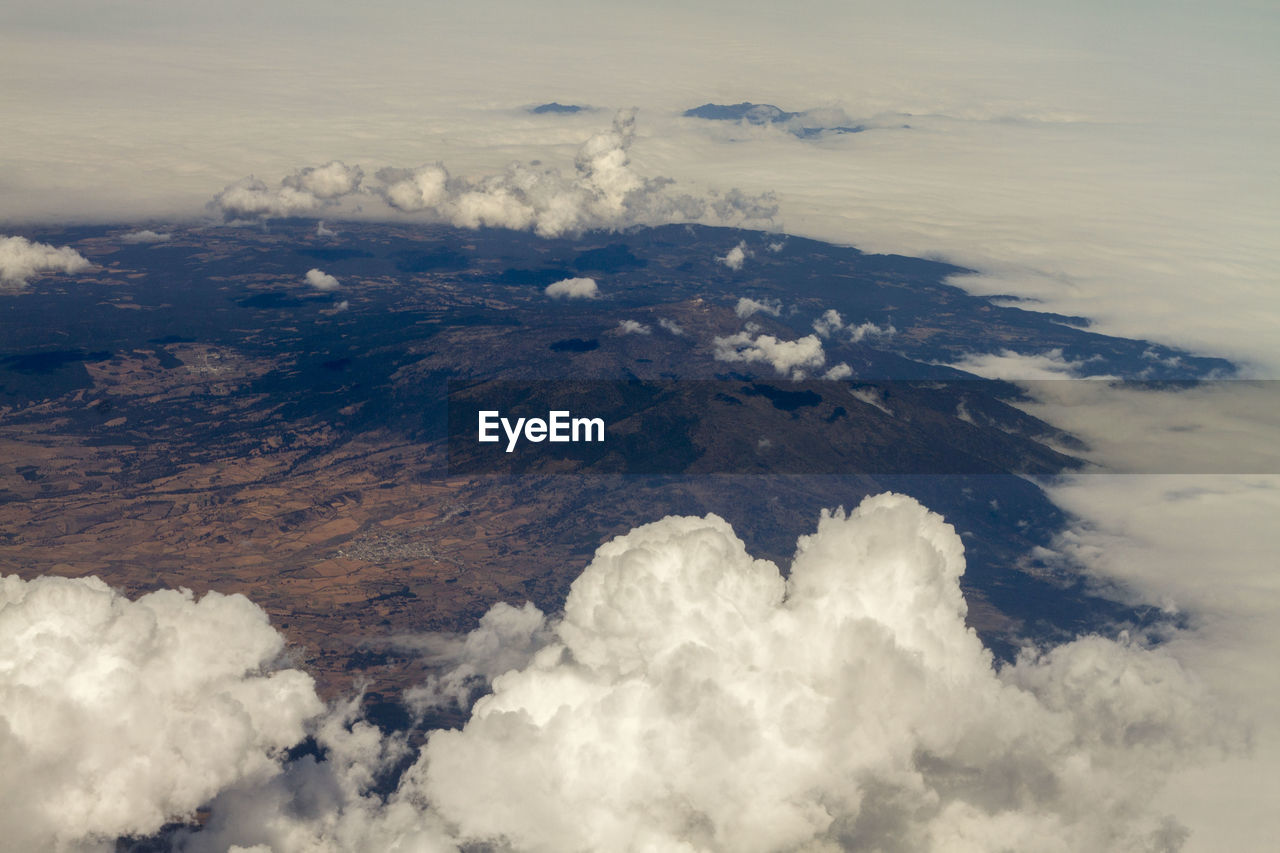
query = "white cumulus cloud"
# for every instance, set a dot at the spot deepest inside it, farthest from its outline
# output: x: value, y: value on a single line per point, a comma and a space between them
x: 250, y: 197
x: 332, y: 180
x: 735, y: 257
x: 699, y: 701
x: 603, y: 191
x: 304, y: 192
x: 20, y: 259
x: 506, y: 639
x: 862, y: 331
x: 690, y: 698
x: 573, y: 288
x: 829, y: 323
x: 633, y: 327
x: 321, y: 280
x: 117, y: 716
x: 417, y: 189
x: 789, y: 358
x: 747, y: 306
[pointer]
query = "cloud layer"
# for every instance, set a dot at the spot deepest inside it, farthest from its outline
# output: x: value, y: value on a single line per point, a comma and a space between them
x: 1072, y: 156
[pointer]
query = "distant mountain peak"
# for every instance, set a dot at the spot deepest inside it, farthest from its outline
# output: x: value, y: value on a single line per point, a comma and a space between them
x: 555, y: 107
x: 745, y: 111
x: 805, y: 124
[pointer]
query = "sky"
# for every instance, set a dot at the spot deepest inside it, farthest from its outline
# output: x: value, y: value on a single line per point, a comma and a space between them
x: 1113, y: 161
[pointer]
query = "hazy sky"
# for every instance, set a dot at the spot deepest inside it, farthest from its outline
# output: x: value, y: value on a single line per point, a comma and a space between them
x: 1115, y: 161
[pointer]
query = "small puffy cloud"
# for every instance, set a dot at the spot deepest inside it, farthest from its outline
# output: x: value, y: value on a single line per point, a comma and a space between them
x: 573, y: 288
x: 861, y: 332
x: 671, y: 326
x: 735, y: 257
x: 632, y: 327
x: 839, y: 371
x: 332, y: 180
x: 144, y: 236
x: 250, y: 198
x: 321, y: 280
x: 747, y: 306
x: 829, y: 323
x: 342, y: 306
x: 788, y: 358
x: 117, y: 716
x: 305, y: 191
x: 415, y: 189
x: 323, y: 231
x: 21, y: 259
